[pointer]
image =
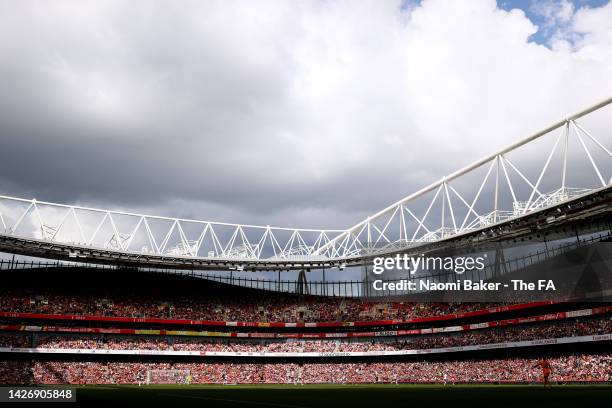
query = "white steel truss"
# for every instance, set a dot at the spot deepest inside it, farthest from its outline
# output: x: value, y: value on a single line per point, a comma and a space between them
x: 489, y: 191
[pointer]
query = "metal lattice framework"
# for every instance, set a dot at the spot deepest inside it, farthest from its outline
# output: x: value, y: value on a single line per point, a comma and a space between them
x: 492, y: 190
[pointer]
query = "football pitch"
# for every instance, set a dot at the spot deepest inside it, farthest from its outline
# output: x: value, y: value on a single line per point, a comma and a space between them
x: 372, y: 396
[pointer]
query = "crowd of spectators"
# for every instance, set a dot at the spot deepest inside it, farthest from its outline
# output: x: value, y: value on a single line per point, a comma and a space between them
x: 544, y: 330
x: 567, y: 368
x: 15, y: 340
x: 260, y: 307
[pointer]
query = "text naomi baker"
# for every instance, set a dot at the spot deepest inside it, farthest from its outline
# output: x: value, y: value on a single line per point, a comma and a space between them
x: 466, y: 285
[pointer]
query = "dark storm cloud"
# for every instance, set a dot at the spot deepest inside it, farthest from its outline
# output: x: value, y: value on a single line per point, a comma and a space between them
x: 279, y: 112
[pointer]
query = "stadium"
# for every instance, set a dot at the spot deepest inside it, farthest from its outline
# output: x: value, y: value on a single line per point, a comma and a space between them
x: 163, y: 318
x: 490, y: 285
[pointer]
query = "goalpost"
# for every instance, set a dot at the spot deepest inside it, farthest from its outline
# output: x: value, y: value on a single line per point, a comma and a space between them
x: 168, y: 377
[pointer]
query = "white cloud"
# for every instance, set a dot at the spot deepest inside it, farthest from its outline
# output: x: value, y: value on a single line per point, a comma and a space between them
x: 553, y: 11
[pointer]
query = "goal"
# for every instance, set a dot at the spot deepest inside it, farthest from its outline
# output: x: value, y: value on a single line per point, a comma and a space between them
x: 168, y: 377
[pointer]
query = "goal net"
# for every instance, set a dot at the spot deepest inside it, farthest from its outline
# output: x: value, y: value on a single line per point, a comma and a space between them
x: 168, y: 377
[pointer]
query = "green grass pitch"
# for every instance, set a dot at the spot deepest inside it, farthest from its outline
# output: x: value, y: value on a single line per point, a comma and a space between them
x: 372, y: 396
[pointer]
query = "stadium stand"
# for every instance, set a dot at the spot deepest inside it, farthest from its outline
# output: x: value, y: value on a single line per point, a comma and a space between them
x: 49, y: 331
x: 583, y: 367
x: 597, y: 325
x: 155, y: 296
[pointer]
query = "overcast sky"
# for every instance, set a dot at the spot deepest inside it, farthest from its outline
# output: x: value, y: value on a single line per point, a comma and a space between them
x: 309, y: 114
